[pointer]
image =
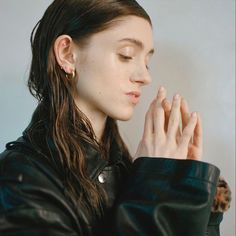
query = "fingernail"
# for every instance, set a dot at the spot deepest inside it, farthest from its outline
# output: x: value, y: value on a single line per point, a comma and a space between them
x: 176, y: 96
x: 194, y: 114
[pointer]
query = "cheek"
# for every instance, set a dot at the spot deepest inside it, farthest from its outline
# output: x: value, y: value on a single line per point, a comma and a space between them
x: 103, y: 79
x: 107, y: 75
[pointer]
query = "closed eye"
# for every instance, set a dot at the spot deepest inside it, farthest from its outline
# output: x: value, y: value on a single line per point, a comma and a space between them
x: 126, y: 58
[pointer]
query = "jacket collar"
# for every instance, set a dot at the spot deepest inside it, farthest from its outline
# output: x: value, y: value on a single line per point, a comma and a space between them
x: 35, y: 136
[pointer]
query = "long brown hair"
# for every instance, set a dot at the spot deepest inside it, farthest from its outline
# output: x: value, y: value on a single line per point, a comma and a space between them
x: 68, y: 126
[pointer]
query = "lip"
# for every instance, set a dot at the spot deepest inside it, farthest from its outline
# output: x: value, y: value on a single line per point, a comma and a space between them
x: 134, y: 96
x: 134, y: 93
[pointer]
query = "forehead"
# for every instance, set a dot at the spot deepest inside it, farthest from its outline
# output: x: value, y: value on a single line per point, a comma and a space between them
x: 129, y: 27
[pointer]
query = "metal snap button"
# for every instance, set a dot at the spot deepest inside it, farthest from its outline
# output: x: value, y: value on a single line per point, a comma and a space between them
x: 101, y: 178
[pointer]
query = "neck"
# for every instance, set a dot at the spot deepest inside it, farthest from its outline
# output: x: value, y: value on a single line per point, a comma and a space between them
x: 98, y: 124
x: 97, y: 119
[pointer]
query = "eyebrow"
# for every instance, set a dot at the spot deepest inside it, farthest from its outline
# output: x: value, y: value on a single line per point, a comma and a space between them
x: 138, y: 43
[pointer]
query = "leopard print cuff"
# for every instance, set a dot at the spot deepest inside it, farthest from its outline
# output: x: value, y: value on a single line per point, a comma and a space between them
x: 222, y: 198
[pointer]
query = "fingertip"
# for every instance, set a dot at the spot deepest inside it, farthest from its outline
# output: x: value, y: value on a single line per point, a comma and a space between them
x: 161, y: 94
x: 177, y: 96
x: 161, y: 89
x: 194, y: 115
x: 194, y: 119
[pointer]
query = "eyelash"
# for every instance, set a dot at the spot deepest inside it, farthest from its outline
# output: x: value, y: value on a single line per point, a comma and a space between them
x: 129, y: 58
x: 125, y: 57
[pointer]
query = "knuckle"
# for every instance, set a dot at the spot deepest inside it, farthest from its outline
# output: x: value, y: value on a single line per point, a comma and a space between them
x: 157, y: 110
x: 173, y: 120
x: 187, y: 133
x: 170, y: 138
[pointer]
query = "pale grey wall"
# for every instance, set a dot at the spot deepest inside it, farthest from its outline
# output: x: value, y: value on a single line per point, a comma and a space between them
x: 195, y: 44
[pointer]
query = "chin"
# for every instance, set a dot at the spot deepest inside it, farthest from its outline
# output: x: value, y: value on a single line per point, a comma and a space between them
x: 122, y: 116
x: 124, y: 119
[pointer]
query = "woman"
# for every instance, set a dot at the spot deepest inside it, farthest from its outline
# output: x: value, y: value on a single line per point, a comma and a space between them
x: 71, y: 173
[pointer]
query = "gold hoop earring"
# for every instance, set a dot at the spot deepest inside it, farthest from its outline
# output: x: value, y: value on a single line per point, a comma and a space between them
x: 73, y: 74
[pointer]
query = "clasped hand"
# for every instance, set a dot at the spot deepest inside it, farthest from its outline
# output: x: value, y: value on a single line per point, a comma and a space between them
x: 170, y: 130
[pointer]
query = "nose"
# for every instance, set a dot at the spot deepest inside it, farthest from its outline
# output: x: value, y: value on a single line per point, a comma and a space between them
x: 141, y: 76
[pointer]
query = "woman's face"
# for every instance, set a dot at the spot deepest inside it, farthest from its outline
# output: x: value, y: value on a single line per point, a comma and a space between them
x: 113, y: 68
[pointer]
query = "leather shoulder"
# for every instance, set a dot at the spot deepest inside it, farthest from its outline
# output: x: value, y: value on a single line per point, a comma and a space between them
x: 28, y: 168
x: 31, y: 189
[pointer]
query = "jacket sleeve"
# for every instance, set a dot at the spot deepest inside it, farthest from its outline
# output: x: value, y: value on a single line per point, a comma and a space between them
x: 213, y: 228
x: 31, y: 202
x: 166, y: 197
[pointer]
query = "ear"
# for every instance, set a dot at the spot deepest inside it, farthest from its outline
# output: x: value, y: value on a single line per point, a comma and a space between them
x: 65, y: 53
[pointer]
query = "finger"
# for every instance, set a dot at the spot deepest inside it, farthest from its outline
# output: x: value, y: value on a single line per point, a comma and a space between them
x: 197, y: 140
x: 173, y: 123
x: 158, y: 113
x: 184, y: 112
x: 161, y: 94
x: 179, y: 133
x: 158, y: 120
x: 148, y: 124
x: 188, y: 131
x: 167, y: 108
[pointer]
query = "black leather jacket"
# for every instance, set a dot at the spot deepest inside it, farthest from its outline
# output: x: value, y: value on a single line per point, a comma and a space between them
x: 153, y: 196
